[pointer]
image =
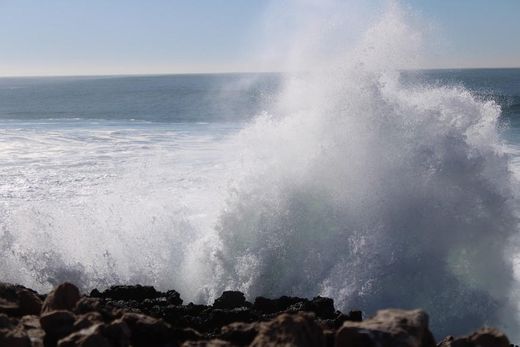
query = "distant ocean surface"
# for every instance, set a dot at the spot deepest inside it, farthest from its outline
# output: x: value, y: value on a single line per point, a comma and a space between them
x: 198, y: 183
x: 68, y: 135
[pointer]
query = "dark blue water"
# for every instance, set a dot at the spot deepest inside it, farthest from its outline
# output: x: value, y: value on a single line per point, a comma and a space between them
x: 177, y: 98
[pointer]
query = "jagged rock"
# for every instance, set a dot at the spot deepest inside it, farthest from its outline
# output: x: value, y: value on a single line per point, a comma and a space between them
x: 118, y: 333
x: 187, y: 334
x: 323, y: 307
x: 266, y: 305
x: 485, y: 337
x: 147, y: 331
x: 388, y: 328
x: 298, y: 330
x: 210, y: 343
x: 239, y: 333
x: 63, y: 297
x: 32, y: 326
x: 123, y: 292
x: 87, y: 320
x: 57, y: 324
x: 86, y: 305
x: 173, y: 297
x: 89, y: 337
x: 16, y: 337
x: 230, y: 299
x: 218, y: 318
x: 16, y: 300
x: 6, y: 322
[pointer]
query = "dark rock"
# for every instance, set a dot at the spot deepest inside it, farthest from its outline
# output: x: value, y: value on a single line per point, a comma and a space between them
x: 188, y: 334
x: 230, y: 299
x: 173, y: 297
x: 210, y: 343
x: 323, y: 307
x: 241, y: 334
x: 118, y: 333
x: 125, y: 293
x: 32, y: 326
x: 485, y: 337
x: 298, y: 330
x: 87, y: 320
x: 86, y: 305
x: 57, y: 324
x: 63, y: 297
x: 147, y: 331
x: 388, y: 328
x: 266, y: 305
x: 218, y: 318
x: 14, y: 338
x: 18, y: 301
x: 90, y: 337
x: 6, y: 322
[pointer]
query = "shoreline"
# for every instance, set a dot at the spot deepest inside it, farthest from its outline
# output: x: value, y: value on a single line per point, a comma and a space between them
x: 135, y: 315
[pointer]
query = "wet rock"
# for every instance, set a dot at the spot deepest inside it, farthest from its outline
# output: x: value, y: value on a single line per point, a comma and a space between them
x: 210, y: 343
x: 6, y: 322
x: 230, y: 299
x: 57, y: 324
x: 241, y: 334
x: 147, y: 331
x: 87, y: 320
x: 126, y: 293
x: 14, y: 337
x: 63, y: 297
x: 323, y: 307
x: 218, y: 318
x: 388, y: 328
x: 485, y: 337
x: 118, y: 333
x: 299, y: 330
x: 90, y: 337
x: 266, y: 305
x: 18, y: 301
x: 173, y: 297
x: 32, y: 326
x: 86, y: 305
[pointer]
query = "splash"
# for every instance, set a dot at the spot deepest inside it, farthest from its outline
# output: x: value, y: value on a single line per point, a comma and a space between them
x: 375, y: 192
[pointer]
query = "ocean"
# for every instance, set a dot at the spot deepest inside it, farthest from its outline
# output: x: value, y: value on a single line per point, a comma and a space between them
x: 378, y: 190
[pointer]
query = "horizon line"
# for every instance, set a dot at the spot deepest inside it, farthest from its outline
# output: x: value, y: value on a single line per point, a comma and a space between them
x: 138, y: 74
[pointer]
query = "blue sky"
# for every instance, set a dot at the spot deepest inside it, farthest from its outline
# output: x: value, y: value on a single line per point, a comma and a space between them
x: 62, y: 37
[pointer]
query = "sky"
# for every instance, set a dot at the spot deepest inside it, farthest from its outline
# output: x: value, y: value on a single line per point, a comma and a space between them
x: 93, y: 37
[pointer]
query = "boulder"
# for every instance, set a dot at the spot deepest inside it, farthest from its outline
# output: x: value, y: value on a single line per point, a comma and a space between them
x: 210, y: 343
x: 118, y: 333
x: 388, y: 328
x: 89, y: 337
x: 241, y: 334
x: 485, y: 337
x: 14, y: 338
x: 57, y: 324
x: 16, y: 300
x: 126, y: 293
x: 147, y: 331
x: 63, y: 297
x: 87, y: 320
x: 267, y: 306
x: 230, y: 299
x: 32, y: 326
x: 298, y: 330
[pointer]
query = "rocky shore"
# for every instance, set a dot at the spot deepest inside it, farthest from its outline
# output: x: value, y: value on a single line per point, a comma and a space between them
x: 142, y: 316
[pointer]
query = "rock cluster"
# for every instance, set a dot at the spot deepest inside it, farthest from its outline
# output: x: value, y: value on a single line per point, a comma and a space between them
x: 142, y: 316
